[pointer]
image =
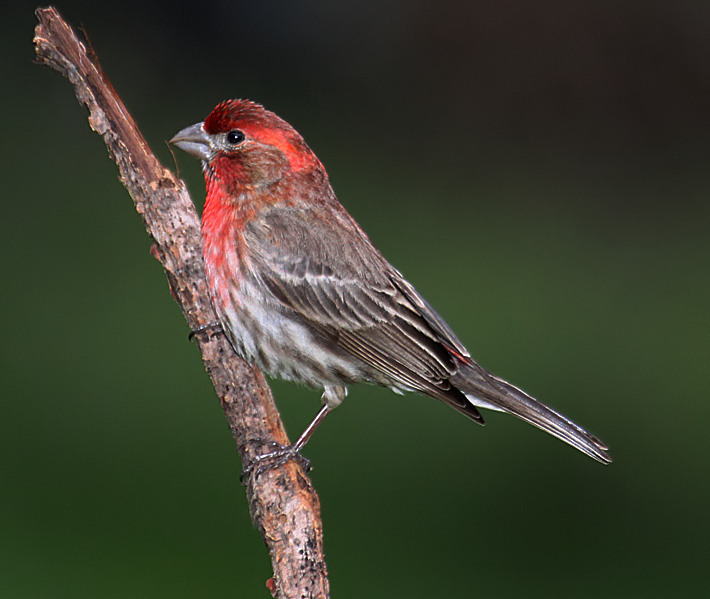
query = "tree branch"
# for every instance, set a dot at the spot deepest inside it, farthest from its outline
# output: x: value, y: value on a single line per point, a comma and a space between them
x: 283, y: 504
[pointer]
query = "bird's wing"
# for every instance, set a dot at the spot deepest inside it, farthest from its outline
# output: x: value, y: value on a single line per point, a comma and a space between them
x: 330, y: 274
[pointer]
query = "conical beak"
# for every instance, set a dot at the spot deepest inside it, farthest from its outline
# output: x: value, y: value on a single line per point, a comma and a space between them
x: 194, y: 141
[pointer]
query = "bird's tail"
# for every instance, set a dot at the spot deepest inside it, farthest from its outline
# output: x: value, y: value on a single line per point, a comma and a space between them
x: 486, y: 390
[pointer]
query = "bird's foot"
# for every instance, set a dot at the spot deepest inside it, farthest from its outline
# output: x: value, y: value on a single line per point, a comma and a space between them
x: 212, y: 328
x: 278, y: 456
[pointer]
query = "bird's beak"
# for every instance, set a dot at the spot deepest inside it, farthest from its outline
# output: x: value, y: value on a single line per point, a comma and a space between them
x: 194, y: 141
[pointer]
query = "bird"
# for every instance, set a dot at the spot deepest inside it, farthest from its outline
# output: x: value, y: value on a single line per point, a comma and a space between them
x: 301, y: 291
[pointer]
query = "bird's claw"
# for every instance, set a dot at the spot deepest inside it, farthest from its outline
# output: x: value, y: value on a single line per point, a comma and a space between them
x: 211, y: 328
x: 279, y: 455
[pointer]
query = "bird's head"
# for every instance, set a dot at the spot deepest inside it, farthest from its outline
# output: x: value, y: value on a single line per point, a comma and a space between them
x: 243, y: 146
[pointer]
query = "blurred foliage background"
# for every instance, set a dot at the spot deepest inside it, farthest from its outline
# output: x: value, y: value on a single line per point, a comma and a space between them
x: 538, y: 170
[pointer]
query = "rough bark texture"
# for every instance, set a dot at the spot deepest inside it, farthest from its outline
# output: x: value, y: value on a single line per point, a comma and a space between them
x: 283, y: 503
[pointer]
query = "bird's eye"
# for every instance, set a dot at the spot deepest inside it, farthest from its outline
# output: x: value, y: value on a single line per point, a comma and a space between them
x: 235, y: 136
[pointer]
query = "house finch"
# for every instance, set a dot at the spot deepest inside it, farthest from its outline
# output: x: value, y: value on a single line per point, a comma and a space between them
x: 301, y: 291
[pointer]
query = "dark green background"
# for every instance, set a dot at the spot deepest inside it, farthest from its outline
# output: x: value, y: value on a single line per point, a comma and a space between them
x: 539, y: 170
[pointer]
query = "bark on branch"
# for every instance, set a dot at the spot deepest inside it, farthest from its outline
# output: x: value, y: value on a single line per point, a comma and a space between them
x: 283, y: 503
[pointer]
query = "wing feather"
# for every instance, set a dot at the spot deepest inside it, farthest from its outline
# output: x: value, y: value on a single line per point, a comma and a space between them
x: 332, y: 276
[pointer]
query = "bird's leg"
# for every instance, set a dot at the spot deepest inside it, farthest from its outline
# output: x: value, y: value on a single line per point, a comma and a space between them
x: 282, y: 454
x: 213, y: 327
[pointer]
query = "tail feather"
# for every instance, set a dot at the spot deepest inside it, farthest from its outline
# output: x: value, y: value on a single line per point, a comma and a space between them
x: 486, y: 390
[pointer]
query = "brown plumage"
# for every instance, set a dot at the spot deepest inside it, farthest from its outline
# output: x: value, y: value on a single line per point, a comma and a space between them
x: 301, y: 291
